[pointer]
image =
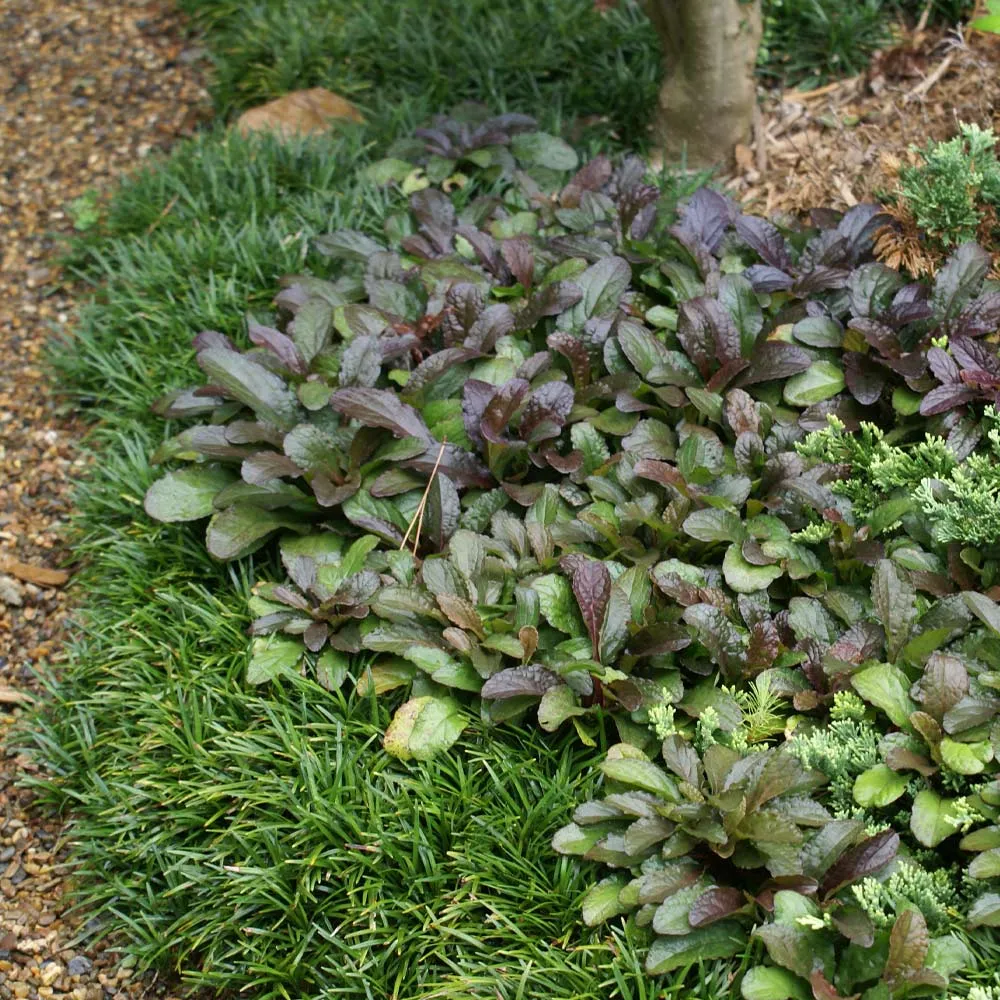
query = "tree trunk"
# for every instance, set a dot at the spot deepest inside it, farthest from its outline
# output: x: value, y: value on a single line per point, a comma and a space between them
x: 709, y: 92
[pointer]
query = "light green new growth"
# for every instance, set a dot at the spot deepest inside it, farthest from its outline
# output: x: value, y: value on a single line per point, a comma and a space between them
x: 961, y: 501
x: 848, y: 705
x: 983, y: 993
x: 841, y: 751
x: 661, y: 720
x: 964, y: 816
x: 931, y: 892
x: 763, y: 710
x: 966, y: 506
x: 946, y: 192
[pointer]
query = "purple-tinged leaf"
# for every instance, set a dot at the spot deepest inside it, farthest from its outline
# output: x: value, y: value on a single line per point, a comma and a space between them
x: 981, y: 316
x: 435, y: 214
x: 592, y: 176
x: 823, y: 989
x: 975, y: 355
x: 433, y: 367
x: 871, y: 288
x: 883, y: 338
x: 476, y: 396
x: 765, y: 644
x: 464, y: 302
x: 654, y: 640
x: 546, y: 411
x: 947, y: 397
x: 862, y: 641
x: 741, y: 412
x: 520, y: 259
x: 715, y: 904
x: 442, y: 511
x: 531, y: 368
x: 330, y: 494
x: 901, y: 759
x: 772, y: 359
x: 821, y: 279
x: 864, y: 378
x: 706, y: 216
x: 551, y: 300
x: 869, y: 857
x: 361, y: 362
x: 495, y: 322
x: 516, y: 682
x: 944, y: 368
x: 488, y: 251
x: 765, y: 240
x: 574, y: 351
x: 282, y: 347
x: 315, y: 636
x: 591, y: 583
x: 726, y: 374
x: 267, y: 465
x: 212, y: 338
x: 958, y: 280
x: 858, y: 227
x: 944, y: 683
x: 767, y: 279
x: 380, y: 408
x: 460, y: 466
x: 707, y: 334
x: 910, y: 305
x: 501, y: 408
x: 252, y: 384
x: 909, y: 941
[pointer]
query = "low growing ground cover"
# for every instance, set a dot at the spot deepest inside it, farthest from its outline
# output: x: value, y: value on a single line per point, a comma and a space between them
x: 264, y: 840
x: 668, y: 519
x: 402, y: 61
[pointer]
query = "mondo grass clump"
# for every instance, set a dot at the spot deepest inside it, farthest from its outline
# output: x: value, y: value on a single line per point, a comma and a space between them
x: 541, y: 454
x: 620, y: 585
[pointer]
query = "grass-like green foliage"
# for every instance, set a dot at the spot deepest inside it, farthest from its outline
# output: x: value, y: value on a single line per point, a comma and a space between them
x: 401, y: 60
x: 266, y: 842
x: 413, y: 58
x: 809, y: 41
x: 955, y: 190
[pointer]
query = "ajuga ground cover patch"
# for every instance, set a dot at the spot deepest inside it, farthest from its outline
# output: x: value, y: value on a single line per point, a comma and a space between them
x: 709, y: 496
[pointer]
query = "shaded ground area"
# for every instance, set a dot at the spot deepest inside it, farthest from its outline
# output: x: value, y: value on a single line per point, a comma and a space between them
x: 86, y: 90
x: 835, y: 146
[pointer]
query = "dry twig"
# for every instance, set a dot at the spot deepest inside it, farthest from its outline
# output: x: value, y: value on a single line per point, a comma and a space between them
x: 418, y: 514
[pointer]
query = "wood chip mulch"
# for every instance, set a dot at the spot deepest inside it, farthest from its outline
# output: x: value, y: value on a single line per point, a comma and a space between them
x: 836, y: 146
x: 88, y: 88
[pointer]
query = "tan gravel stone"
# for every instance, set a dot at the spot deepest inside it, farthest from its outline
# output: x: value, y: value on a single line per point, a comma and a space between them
x: 87, y: 89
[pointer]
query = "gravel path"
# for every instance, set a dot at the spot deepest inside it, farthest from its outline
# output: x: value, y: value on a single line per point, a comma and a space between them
x: 87, y: 89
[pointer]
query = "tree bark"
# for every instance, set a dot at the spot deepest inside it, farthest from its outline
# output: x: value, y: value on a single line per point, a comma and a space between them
x: 708, y: 95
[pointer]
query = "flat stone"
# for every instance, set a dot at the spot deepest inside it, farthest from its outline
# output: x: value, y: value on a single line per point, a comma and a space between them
x: 302, y: 112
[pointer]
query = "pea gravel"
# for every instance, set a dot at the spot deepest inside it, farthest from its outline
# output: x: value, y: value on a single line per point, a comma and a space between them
x: 88, y: 89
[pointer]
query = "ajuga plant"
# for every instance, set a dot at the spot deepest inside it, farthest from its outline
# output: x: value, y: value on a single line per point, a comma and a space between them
x: 542, y: 450
x: 948, y: 195
x: 560, y: 432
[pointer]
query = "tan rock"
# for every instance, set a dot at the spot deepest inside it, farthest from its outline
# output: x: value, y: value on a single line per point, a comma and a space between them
x: 304, y: 112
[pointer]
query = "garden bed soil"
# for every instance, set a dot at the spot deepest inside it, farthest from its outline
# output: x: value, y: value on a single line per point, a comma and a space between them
x: 837, y: 145
x: 88, y: 88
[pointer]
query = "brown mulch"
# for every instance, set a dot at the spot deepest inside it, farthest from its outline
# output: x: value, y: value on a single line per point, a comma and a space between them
x: 88, y: 88
x: 836, y: 146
